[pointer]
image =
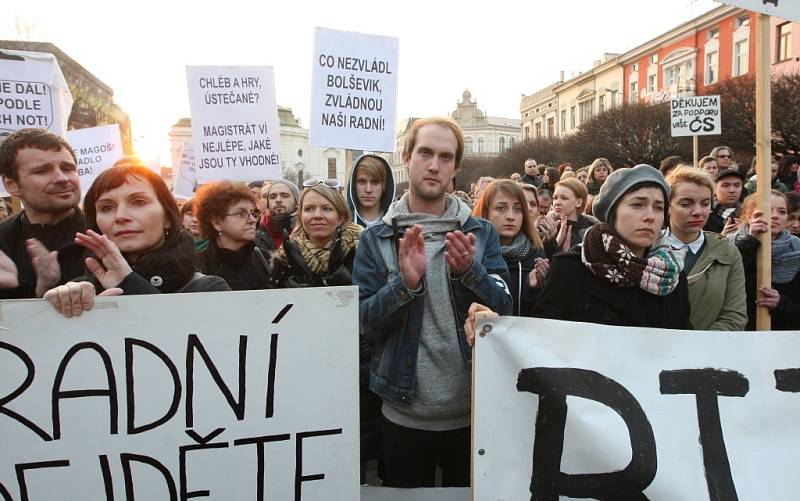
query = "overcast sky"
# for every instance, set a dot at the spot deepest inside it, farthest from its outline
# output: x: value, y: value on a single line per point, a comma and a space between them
x: 498, y: 50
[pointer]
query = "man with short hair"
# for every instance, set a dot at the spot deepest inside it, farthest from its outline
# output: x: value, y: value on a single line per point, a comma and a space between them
x: 282, y: 200
x: 418, y: 271
x: 40, y: 168
x: 262, y: 200
x: 727, y: 193
x: 531, y: 173
x: 370, y: 190
x: 724, y: 157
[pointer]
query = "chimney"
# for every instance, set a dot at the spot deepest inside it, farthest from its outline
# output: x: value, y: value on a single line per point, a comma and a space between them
x: 561, y: 78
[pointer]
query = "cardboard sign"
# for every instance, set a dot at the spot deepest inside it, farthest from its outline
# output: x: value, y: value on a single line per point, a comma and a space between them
x: 695, y: 116
x: 235, y: 395
x: 354, y: 99
x: 591, y: 411
x: 234, y: 122
x: 97, y: 148
x: 785, y: 9
x: 186, y: 177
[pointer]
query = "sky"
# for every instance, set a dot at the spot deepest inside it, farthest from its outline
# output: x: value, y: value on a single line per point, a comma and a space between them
x: 498, y: 50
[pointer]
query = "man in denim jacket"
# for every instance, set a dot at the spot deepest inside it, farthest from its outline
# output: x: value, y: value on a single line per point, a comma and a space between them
x: 418, y: 271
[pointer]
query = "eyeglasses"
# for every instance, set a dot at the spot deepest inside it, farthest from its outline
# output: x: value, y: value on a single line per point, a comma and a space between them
x: 244, y: 213
x: 330, y: 183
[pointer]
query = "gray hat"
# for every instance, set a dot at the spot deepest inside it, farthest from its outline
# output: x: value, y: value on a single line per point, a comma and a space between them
x: 622, y: 181
x: 292, y: 187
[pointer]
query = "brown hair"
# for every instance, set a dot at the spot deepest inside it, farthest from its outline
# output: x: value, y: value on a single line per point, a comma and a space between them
x: 40, y: 139
x: 598, y: 162
x: 513, y: 189
x: 213, y: 200
x: 411, y: 139
x: 750, y: 205
x: 372, y: 167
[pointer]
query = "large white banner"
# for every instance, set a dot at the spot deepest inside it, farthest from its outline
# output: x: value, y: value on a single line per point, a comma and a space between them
x: 97, y: 148
x: 354, y: 99
x: 589, y: 411
x: 226, y: 396
x: 234, y: 122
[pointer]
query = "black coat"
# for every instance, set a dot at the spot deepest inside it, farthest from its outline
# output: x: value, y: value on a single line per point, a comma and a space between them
x: 785, y: 316
x: 58, y: 237
x: 523, y: 294
x: 572, y: 292
x: 246, y: 269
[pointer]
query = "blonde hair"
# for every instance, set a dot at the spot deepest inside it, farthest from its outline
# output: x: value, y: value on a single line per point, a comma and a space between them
x: 577, y: 188
x: 332, y: 195
x: 599, y: 162
x: 372, y: 167
x: 411, y: 139
x: 686, y: 174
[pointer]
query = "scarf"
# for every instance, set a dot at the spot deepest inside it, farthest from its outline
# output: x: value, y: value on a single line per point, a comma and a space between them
x: 610, y: 259
x: 316, y: 256
x: 519, y: 247
x: 785, y: 254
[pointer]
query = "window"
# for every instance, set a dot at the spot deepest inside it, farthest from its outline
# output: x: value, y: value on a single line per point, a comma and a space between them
x: 712, y: 67
x: 633, y: 96
x: 551, y: 127
x: 538, y: 130
x: 713, y: 33
x: 635, y: 67
x: 653, y: 59
x: 601, y: 104
x: 563, y: 120
x: 572, y: 117
x: 502, y: 144
x: 743, y: 21
x: 527, y: 132
x: 480, y: 145
x: 331, y: 168
x: 740, y: 57
x: 468, y: 145
x: 652, y: 80
x: 586, y: 110
x: 511, y: 142
x: 784, y: 41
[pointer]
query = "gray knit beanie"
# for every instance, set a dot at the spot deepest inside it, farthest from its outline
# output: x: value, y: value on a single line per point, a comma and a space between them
x: 622, y: 181
x: 292, y: 187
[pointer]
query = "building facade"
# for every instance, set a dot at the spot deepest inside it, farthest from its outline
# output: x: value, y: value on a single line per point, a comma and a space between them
x: 484, y: 135
x: 590, y: 93
x: 540, y: 113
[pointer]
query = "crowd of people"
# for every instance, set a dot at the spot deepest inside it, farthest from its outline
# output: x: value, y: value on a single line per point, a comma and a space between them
x: 668, y: 246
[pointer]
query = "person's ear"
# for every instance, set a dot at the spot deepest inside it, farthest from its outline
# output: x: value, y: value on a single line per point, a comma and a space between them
x: 12, y: 186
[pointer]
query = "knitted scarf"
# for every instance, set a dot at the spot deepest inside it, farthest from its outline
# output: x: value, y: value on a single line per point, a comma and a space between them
x: 317, y: 257
x: 610, y: 259
x: 519, y: 247
x: 785, y: 254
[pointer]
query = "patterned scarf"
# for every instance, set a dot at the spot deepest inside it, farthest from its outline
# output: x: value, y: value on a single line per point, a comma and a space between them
x: 785, y: 254
x: 606, y: 255
x: 317, y: 257
x: 519, y: 247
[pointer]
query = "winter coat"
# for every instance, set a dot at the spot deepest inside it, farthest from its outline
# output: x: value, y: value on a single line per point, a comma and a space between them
x: 522, y: 293
x: 245, y: 269
x: 386, y: 198
x: 717, y: 287
x: 572, y: 292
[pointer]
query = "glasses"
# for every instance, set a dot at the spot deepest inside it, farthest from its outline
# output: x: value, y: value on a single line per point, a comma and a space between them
x: 330, y: 183
x: 723, y: 156
x: 244, y: 213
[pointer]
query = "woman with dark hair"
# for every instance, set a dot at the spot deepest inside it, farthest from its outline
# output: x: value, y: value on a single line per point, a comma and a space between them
x: 783, y: 298
x: 787, y: 171
x: 550, y: 178
x: 503, y: 204
x: 793, y: 206
x: 135, y: 241
x: 227, y: 213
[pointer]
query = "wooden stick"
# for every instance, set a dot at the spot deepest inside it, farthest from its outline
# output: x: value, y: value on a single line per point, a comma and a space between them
x: 696, y: 147
x: 763, y: 159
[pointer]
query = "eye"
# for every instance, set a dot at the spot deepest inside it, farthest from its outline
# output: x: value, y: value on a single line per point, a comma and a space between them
x: 104, y: 208
x: 139, y: 202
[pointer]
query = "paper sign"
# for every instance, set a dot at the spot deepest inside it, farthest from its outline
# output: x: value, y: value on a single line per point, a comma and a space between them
x: 176, y: 396
x: 695, y: 116
x: 97, y: 148
x: 785, y: 9
x: 234, y: 122
x: 354, y: 99
x: 186, y: 177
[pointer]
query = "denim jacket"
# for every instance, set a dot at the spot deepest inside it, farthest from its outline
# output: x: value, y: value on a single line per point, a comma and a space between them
x: 391, y: 314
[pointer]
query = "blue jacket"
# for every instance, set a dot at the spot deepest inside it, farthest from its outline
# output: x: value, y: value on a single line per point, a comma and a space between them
x: 391, y: 314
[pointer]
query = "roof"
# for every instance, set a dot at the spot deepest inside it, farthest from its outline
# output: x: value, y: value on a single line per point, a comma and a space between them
x: 539, y: 96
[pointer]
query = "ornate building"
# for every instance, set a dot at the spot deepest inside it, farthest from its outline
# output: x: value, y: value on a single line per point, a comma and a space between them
x: 485, y: 135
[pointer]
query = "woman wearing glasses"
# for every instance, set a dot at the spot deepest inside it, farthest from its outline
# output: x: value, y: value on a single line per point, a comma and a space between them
x: 135, y: 242
x: 228, y: 215
x: 321, y: 248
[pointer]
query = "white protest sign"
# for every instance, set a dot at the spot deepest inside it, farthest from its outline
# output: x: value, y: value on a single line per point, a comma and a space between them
x: 695, y: 116
x: 186, y: 177
x: 33, y: 93
x: 785, y: 9
x: 97, y: 148
x: 235, y: 395
x: 624, y: 405
x: 354, y: 99
x: 234, y: 122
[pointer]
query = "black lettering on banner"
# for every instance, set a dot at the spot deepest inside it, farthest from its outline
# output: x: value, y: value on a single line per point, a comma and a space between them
x: 30, y: 371
x: 130, y: 385
x: 127, y: 458
x: 787, y: 380
x: 707, y: 385
x: 260, y: 441
x: 20, y: 469
x: 108, y: 481
x: 111, y: 391
x: 202, y: 443
x: 548, y: 482
x: 4, y: 492
x: 273, y: 362
x: 299, y: 478
x: 194, y: 344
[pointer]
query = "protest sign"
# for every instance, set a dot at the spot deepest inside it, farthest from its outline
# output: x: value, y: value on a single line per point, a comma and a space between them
x: 234, y: 122
x: 186, y: 177
x: 236, y: 395
x: 354, y: 99
x: 33, y: 93
x: 97, y: 148
x: 785, y: 9
x: 695, y: 116
x: 591, y: 411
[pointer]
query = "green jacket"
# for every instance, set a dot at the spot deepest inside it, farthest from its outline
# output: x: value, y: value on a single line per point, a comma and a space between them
x: 716, y: 287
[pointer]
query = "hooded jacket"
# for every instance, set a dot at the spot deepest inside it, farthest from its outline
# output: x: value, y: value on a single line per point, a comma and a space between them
x: 387, y: 197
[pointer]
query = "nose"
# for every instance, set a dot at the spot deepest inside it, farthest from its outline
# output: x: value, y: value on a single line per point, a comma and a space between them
x: 122, y: 213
